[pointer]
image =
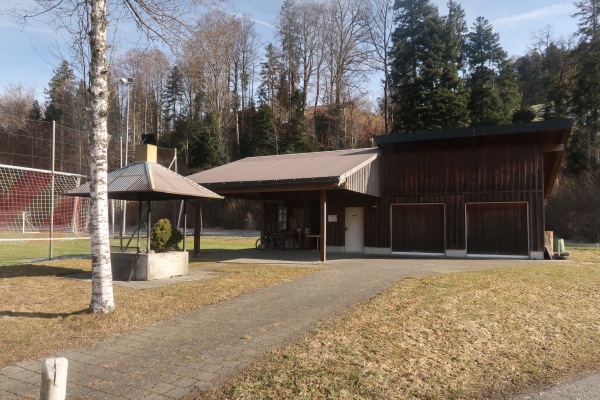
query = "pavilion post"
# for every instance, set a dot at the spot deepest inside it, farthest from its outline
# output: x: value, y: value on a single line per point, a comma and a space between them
x: 140, y: 204
x: 149, y: 226
x: 323, y: 247
x: 197, y: 229
x: 184, y: 223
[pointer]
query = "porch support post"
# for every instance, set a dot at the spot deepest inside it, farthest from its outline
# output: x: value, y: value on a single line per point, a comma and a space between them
x: 197, y: 228
x: 323, y: 248
x: 264, y: 217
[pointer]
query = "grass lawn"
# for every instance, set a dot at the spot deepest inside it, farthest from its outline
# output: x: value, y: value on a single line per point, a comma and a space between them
x: 15, y: 252
x: 484, y: 334
x: 42, y: 312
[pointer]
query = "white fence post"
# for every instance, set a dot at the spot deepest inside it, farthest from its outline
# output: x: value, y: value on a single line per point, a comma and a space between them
x: 54, y: 379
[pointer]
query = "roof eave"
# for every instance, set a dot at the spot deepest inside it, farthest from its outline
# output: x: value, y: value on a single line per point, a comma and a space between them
x: 477, y: 131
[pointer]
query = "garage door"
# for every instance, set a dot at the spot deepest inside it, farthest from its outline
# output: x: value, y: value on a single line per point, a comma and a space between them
x: 497, y: 229
x: 418, y: 228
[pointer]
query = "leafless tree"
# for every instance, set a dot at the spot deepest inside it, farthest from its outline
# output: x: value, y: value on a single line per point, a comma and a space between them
x: 244, y: 59
x: 380, y: 25
x: 15, y: 103
x: 347, y: 56
x: 150, y: 69
x: 88, y: 21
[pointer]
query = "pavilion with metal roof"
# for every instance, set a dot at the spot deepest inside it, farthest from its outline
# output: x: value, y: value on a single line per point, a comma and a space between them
x: 147, y: 181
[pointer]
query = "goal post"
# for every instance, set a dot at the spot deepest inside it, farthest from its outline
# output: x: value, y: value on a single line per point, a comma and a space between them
x: 31, y: 202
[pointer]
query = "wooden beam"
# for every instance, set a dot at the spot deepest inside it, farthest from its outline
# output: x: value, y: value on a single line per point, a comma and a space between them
x: 551, y: 148
x: 265, y: 188
x: 323, y: 220
x: 264, y: 218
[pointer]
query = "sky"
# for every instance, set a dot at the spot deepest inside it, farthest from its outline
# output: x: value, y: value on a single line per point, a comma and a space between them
x: 29, y: 53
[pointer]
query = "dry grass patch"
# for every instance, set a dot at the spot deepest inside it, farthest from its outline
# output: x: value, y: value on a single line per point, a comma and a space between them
x: 482, y: 334
x: 42, y: 312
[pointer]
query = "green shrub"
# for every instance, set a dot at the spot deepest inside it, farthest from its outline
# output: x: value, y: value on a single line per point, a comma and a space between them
x: 164, y: 237
x: 175, y: 238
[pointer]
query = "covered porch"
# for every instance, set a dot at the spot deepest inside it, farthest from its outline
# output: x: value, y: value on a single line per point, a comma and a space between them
x: 316, y: 200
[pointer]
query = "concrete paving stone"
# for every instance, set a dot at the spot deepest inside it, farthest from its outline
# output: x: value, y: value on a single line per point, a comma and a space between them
x: 99, y: 395
x: 207, y: 376
x: 33, y: 365
x: 121, y: 349
x: 74, y: 390
x: 203, y: 385
x: 29, y: 376
x: 88, y: 359
x: 11, y: 370
x: 212, y: 367
x: 186, y: 372
x: 98, y: 376
x: 21, y: 388
x: 184, y: 382
x: 155, y: 396
x: 4, y: 395
x: 162, y: 387
x: 133, y: 392
x: 168, y: 377
x: 177, y: 393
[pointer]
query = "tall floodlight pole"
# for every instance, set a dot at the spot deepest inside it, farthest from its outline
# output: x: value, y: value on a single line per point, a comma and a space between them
x: 128, y: 82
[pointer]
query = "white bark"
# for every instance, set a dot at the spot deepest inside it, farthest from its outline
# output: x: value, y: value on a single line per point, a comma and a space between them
x: 102, y: 290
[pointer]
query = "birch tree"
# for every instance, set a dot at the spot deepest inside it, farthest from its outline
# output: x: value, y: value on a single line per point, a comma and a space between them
x: 87, y: 21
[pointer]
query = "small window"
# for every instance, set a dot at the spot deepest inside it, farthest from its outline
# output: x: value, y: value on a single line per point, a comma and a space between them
x: 281, y: 218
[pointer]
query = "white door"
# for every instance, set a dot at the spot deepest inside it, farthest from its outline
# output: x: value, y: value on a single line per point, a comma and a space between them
x: 355, y: 229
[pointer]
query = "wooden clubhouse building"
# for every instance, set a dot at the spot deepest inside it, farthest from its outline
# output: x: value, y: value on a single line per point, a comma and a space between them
x: 468, y: 192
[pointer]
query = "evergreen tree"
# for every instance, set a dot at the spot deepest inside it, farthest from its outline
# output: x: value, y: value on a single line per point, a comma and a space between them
x: 586, y: 89
x: 264, y: 138
x: 61, y: 95
x: 427, y: 91
x: 456, y: 34
x: 409, y: 49
x: 35, y: 112
x: 173, y: 98
x: 295, y: 139
x: 206, y: 145
x: 559, y: 68
x: 270, y: 74
x: 508, y: 91
x: 490, y: 77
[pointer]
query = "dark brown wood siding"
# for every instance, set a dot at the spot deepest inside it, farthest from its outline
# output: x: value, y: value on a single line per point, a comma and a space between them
x: 497, y: 228
x: 337, y: 201
x: 470, y: 171
x: 418, y: 228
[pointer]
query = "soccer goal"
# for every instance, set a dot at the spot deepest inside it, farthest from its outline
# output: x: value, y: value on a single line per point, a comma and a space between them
x: 32, y: 202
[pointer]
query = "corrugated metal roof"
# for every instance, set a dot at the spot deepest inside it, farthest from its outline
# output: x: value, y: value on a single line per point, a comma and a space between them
x: 324, y: 166
x: 148, y: 181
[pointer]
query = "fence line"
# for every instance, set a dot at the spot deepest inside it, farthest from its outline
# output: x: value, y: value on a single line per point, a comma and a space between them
x: 28, y: 151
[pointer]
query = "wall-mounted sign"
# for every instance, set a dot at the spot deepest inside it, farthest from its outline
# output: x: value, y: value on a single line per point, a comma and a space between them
x: 332, y: 218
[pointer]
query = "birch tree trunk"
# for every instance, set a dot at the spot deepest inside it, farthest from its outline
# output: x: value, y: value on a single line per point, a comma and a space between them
x: 102, y: 290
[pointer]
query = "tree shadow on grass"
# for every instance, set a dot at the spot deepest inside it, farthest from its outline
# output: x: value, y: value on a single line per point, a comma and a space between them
x: 23, y: 270
x: 33, y: 314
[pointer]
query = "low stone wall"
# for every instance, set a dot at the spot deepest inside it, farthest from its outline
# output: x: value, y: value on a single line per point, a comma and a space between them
x: 145, y: 267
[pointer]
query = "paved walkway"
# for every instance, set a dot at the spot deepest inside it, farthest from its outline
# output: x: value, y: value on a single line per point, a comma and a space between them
x: 586, y: 388
x: 197, y: 350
